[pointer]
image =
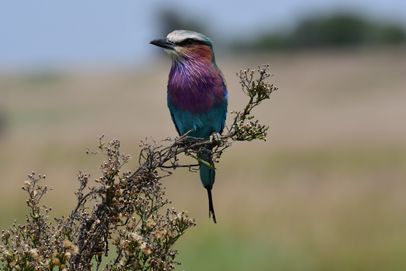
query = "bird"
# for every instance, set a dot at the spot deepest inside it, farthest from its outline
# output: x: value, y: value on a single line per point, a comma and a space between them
x: 197, y: 95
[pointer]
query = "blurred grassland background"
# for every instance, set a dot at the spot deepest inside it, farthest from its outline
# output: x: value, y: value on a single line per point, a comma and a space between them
x: 325, y: 192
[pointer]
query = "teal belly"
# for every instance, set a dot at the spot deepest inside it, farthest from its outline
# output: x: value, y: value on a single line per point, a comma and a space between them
x: 200, y: 125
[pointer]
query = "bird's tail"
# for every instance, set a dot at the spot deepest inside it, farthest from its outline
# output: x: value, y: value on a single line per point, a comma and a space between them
x: 211, y: 207
x: 207, y: 176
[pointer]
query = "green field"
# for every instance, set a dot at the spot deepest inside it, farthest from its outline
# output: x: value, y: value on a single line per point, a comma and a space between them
x: 325, y: 192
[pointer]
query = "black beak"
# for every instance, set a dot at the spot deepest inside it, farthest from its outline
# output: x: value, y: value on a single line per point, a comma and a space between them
x: 163, y: 43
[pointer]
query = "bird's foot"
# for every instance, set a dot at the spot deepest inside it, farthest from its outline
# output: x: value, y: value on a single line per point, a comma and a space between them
x: 215, y: 138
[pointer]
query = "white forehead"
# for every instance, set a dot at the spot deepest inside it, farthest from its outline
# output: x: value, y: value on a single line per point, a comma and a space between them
x: 180, y: 35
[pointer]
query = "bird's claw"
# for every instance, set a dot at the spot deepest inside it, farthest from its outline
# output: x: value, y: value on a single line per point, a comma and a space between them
x: 215, y: 138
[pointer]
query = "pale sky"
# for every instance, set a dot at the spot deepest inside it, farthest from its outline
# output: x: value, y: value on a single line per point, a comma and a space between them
x: 65, y: 32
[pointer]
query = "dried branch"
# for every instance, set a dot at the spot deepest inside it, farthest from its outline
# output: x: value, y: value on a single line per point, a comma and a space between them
x: 124, y: 210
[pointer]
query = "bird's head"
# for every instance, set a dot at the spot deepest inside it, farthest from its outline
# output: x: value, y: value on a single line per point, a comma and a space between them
x: 184, y: 44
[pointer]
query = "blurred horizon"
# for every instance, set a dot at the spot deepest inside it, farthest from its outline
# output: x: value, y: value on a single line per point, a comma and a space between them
x: 51, y: 35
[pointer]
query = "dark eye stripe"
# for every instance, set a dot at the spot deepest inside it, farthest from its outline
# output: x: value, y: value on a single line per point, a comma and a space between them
x: 190, y: 41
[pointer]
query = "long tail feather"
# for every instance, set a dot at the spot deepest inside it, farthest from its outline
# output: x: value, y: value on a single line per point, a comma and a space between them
x: 211, y: 207
x: 207, y: 176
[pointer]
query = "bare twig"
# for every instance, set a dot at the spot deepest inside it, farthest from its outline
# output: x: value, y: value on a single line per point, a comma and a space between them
x: 125, y: 210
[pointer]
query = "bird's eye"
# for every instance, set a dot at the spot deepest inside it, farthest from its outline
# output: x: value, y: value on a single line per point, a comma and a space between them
x: 187, y: 42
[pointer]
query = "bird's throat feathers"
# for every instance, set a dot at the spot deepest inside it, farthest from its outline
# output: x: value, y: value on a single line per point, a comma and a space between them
x: 196, y: 52
x: 195, y: 84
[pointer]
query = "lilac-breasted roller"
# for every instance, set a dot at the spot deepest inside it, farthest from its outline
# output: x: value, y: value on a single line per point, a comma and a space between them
x: 197, y: 95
